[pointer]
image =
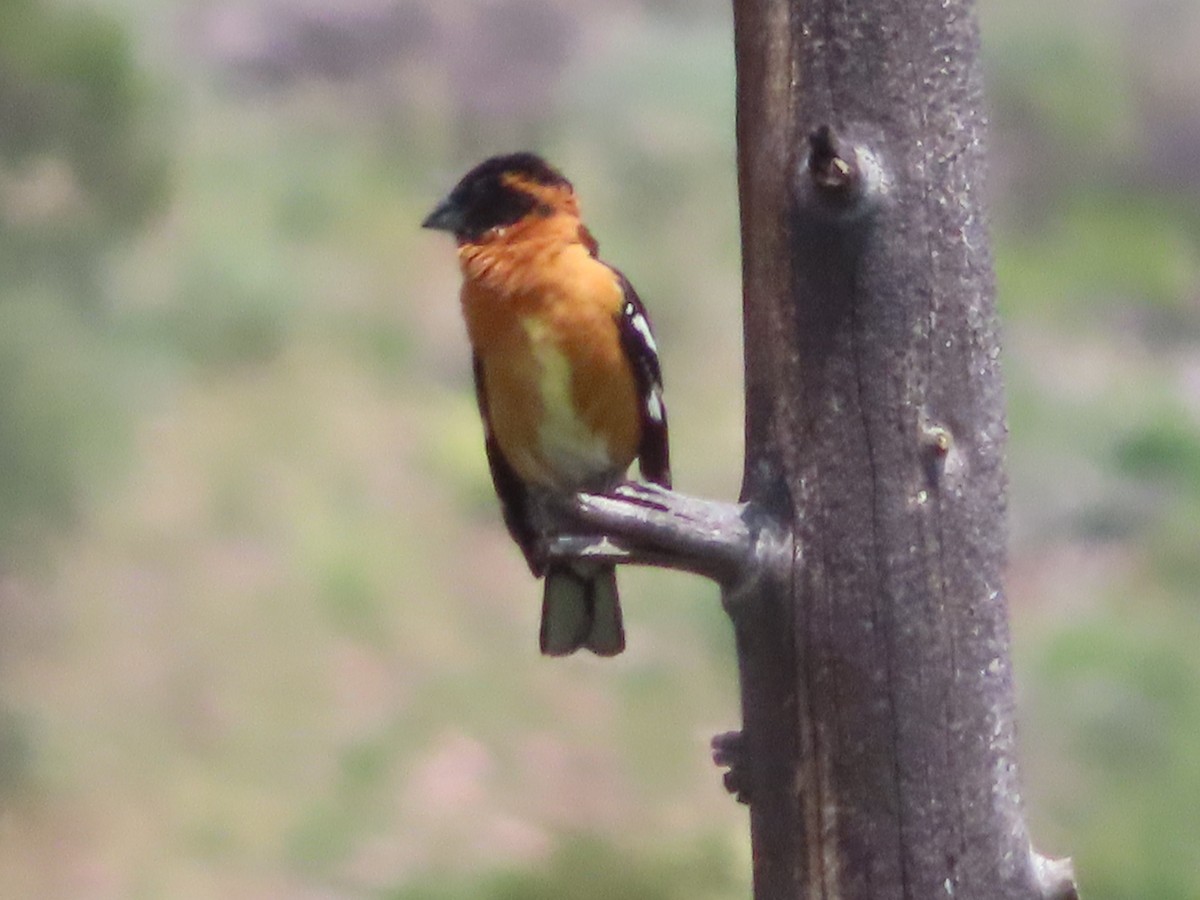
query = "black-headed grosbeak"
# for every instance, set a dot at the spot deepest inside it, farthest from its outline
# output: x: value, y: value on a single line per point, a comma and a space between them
x: 566, y: 373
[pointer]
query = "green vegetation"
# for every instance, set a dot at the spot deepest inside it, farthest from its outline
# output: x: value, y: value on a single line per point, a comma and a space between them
x: 80, y: 171
x: 587, y: 869
x: 263, y: 632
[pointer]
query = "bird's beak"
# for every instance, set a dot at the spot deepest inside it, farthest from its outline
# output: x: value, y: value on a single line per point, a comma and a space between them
x: 448, y: 216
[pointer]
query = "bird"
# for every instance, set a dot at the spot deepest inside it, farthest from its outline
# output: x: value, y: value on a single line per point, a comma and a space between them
x: 567, y: 375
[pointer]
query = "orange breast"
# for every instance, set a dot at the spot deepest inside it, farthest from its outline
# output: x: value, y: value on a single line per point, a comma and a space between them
x: 562, y: 399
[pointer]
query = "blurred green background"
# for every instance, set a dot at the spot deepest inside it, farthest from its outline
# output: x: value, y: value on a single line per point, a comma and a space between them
x: 261, y: 632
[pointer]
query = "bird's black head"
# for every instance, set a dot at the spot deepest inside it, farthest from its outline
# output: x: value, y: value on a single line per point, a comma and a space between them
x: 499, y: 191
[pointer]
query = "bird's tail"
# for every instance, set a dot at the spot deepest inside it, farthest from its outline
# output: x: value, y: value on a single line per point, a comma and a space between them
x: 580, y: 608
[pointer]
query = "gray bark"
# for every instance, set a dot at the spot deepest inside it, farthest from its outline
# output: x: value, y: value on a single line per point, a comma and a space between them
x: 875, y: 407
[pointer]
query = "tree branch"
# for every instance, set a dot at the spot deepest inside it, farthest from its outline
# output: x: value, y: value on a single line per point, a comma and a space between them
x: 645, y: 524
x: 1056, y: 877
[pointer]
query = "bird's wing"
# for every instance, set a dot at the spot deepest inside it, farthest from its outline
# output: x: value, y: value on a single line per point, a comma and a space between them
x: 637, y: 340
x: 515, y: 501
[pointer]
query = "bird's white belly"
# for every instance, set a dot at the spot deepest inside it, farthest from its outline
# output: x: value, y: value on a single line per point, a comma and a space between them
x: 575, y: 454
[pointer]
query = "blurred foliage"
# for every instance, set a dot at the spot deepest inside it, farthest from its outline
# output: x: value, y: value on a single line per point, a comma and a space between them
x: 1099, y: 252
x: 59, y: 417
x: 1098, y: 264
x: 1052, y: 82
x: 1165, y: 450
x: 1123, y: 702
x: 590, y: 869
x: 80, y: 162
x: 81, y: 168
x: 16, y: 755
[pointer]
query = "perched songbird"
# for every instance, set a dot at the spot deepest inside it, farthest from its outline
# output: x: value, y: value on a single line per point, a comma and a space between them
x: 566, y: 373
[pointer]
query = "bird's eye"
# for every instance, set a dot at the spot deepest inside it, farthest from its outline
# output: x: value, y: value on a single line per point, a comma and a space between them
x: 545, y: 210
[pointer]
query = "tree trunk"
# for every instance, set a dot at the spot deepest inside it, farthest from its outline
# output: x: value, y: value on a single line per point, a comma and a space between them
x: 876, y: 683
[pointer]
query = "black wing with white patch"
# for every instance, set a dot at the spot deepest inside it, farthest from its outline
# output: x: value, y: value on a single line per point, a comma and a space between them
x: 637, y: 339
x: 515, y: 502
